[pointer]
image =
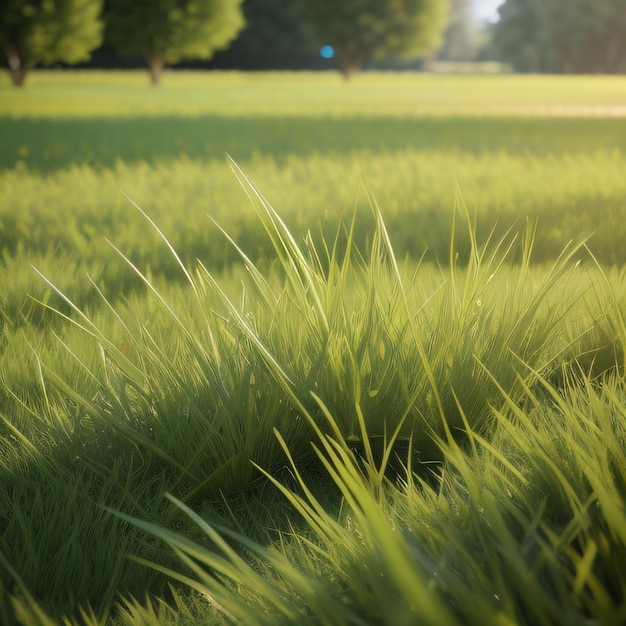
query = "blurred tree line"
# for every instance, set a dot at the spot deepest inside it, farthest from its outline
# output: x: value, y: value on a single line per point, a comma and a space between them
x: 531, y: 35
x: 274, y: 35
x: 226, y: 34
x: 573, y: 36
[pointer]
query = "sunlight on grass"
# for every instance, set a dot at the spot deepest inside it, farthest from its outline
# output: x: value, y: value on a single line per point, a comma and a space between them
x: 461, y: 418
x: 85, y: 94
x: 385, y: 387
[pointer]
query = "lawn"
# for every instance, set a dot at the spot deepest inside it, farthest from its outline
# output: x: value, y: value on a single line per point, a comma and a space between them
x: 303, y: 94
x: 375, y: 361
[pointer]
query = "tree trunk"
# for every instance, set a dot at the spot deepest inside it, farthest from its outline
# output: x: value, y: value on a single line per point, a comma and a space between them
x: 615, y: 54
x: 347, y: 70
x: 156, y: 63
x: 17, y: 70
x: 349, y: 63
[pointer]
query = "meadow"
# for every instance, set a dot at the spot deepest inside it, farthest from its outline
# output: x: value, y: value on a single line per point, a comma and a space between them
x: 368, y: 368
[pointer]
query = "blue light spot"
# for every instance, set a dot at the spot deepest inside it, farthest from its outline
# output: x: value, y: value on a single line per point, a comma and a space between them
x: 327, y: 52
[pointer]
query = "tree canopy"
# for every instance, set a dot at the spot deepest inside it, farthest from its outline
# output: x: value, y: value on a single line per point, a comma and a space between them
x: 48, y: 31
x: 360, y: 30
x: 551, y: 36
x: 277, y: 35
x: 172, y: 30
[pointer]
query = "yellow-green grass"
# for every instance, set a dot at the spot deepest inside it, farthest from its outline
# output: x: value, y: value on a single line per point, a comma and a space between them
x: 180, y: 390
x: 70, y: 213
x: 85, y: 117
x: 503, y: 373
x: 113, y: 94
x: 50, y: 144
x: 307, y: 139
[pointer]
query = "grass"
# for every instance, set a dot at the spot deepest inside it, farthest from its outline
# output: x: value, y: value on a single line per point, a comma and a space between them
x: 363, y: 358
x: 65, y: 165
x: 50, y: 145
x: 396, y: 398
x: 60, y: 220
x: 51, y: 94
x: 494, y: 554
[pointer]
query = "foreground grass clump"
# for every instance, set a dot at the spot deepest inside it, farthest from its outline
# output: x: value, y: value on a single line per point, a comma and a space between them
x: 469, y: 487
x: 528, y: 528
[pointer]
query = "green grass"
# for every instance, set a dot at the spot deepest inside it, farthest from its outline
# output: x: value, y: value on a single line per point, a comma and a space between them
x: 128, y: 94
x: 64, y: 166
x: 69, y: 213
x: 99, y: 118
x: 396, y: 398
x: 368, y: 359
x: 47, y: 145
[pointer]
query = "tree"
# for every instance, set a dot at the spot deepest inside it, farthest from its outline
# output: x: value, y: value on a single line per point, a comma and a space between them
x: 520, y: 37
x: 277, y: 36
x: 588, y: 36
x: 172, y: 30
x: 550, y: 36
x: 360, y: 30
x: 48, y: 31
x: 459, y: 37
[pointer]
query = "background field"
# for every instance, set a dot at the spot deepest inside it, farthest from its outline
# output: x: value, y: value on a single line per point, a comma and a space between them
x: 410, y: 139
x: 94, y: 94
x: 473, y: 321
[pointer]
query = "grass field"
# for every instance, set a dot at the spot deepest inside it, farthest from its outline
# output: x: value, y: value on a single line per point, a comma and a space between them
x: 392, y: 391
x: 128, y: 94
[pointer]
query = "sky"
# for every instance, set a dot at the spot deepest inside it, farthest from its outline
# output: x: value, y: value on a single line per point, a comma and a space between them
x: 486, y: 9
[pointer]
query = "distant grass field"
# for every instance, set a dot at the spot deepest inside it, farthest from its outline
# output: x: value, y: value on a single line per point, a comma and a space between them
x: 304, y: 94
x: 52, y: 144
x: 414, y: 298
x: 62, y: 118
x: 409, y: 138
